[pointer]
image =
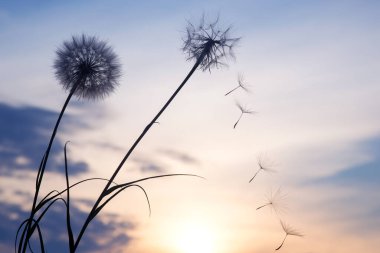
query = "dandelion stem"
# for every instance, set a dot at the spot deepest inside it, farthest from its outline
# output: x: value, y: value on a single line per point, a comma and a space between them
x: 102, y: 195
x: 40, y: 174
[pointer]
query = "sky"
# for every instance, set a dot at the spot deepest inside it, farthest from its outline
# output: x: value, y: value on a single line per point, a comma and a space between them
x: 312, y: 71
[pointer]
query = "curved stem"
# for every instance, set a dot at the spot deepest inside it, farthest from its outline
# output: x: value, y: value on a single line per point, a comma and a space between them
x: 41, y: 171
x: 238, y: 120
x: 47, y: 152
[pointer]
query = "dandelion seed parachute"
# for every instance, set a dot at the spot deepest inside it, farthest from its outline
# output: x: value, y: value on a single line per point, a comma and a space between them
x: 288, y: 231
x: 88, y: 67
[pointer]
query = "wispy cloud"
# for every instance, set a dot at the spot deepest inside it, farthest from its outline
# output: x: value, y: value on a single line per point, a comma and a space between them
x: 179, y: 156
x: 23, y: 136
x: 353, y: 191
x: 366, y: 174
x: 147, y: 165
x: 107, y: 145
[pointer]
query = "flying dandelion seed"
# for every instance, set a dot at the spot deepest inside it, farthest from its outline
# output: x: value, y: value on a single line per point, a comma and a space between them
x: 288, y: 231
x: 243, y: 111
x: 208, y: 44
x: 275, y: 201
x: 263, y: 166
x: 241, y: 84
x: 87, y: 67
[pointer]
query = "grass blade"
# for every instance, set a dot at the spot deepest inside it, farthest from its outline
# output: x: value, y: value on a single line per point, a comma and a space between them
x: 111, y: 189
x: 117, y: 193
x: 68, y: 218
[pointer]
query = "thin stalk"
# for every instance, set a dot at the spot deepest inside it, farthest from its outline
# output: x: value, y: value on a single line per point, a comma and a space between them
x: 263, y: 206
x: 153, y: 121
x: 41, y: 171
x: 241, y: 115
x: 257, y: 172
x: 231, y: 91
x: 68, y: 218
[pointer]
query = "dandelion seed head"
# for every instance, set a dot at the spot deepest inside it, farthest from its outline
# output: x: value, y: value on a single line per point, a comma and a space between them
x: 208, y: 40
x: 87, y: 65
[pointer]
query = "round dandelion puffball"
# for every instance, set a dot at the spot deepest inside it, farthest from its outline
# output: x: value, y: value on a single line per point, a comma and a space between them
x: 87, y: 66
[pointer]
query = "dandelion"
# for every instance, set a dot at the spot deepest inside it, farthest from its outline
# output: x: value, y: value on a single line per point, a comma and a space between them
x: 274, y: 200
x: 241, y: 84
x: 263, y: 166
x: 87, y: 67
x: 288, y: 231
x: 243, y: 111
x: 208, y: 44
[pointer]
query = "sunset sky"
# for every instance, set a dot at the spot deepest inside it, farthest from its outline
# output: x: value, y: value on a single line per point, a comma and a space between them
x: 312, y: 68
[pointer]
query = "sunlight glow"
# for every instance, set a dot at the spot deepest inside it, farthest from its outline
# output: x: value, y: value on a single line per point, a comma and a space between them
x: 196, y: 238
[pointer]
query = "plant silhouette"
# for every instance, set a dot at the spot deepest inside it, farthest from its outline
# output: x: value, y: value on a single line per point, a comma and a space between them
x: 207, y: 45
x: 88, y: 68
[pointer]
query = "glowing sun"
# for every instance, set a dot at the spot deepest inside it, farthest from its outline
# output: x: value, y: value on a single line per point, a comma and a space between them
x: 195, y: 238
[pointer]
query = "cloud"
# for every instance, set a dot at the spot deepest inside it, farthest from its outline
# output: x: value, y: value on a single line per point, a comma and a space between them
x: 359, y: 188
x: 107, y: 145
x: 153, y: 164
x: 366, y: 174
x: 103, y: 235
x: 179, y: 156
x: 24, y: 135
x: 146, y: 165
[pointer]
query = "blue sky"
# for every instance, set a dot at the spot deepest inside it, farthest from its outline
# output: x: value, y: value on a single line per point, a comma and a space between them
x: 312, y: 68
